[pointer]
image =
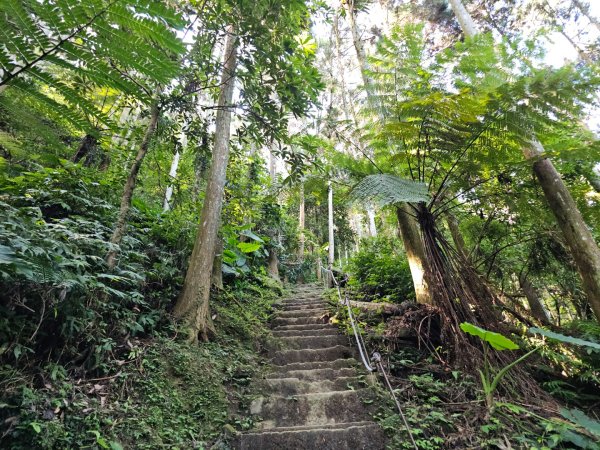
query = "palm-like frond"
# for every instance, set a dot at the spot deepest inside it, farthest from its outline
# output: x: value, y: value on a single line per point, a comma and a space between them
x: 386, y: 189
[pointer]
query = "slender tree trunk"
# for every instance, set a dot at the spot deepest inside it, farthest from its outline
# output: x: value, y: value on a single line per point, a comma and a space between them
x: 578, y: 237
x: 538, y: 311
x: 371, y: 216
x: 172, y: 175
x: 193, y: 307
x: 120, y: 227
x: 415, y: 251
x: 331, y: 255
x: 464, y: 18
x: 273, y: 258
x: 301, y: 225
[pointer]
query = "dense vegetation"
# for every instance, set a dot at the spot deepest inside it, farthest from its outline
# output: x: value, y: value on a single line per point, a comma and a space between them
x: 168, y: 169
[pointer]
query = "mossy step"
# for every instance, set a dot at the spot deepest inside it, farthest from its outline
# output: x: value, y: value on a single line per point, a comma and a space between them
x: 343, y: 436
x: 317, y: 374
x: 330, y: 331
x: 306, y: 326
x: 316, y: 312
x: 294, y: 386
x: 278, y: 321
x: 313, y: 342
x: 341, y: 363
x: 283, y: 357
x: 323, y: 408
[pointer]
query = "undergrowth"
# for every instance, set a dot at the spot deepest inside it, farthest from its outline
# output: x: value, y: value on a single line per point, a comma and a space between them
x: 90, y: 358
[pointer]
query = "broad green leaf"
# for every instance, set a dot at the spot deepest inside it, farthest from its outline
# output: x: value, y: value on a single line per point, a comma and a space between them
x: 248, y: 247
x: 581, y: 419
x: 496, y: 340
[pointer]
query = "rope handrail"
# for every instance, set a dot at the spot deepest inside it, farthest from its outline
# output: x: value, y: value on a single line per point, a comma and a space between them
x: 362, y: 350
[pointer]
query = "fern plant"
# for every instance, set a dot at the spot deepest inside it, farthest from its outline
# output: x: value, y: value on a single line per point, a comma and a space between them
x: 56, y: 51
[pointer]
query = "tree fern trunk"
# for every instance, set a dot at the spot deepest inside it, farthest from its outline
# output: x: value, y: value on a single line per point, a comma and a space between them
x: 415, y: 251
x: 119, y: 231
x: 193, y: 304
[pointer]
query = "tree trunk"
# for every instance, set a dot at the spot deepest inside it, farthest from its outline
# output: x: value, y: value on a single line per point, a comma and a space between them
x: 415, y: 251
x: 538, y: 311
x: 371, y: 216
x: 172, y: 175
x: 217, y: 271
x: 579, y: 239
x: 273, y: 265
x: 119, y: 231
x: 464, y: 18
x: 193, y: 307
x: 331, y: 255
x: 301, y: 223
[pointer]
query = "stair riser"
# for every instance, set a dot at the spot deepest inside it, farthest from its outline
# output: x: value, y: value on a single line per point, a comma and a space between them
x: 290, y: 307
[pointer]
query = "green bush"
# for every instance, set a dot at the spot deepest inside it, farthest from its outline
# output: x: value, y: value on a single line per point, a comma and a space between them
x: 380, y: 271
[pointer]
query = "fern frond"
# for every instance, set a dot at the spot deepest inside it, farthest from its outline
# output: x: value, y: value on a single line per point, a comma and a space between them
x: 386, y: 189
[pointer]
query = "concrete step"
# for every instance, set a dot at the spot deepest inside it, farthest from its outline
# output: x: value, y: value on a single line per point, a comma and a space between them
x: 324, y: 408
x: 317, y: 374
x: 330, y: 331
x: 283, y: 357
x: 343, y: 436
x: 313, y: 342
x: 295, y: 307
x: 293, y: 386
x: 304, y: 301
x: 341, y: 363
x: 313, y: 312
x: 277, y: 321
x: 306, y: 327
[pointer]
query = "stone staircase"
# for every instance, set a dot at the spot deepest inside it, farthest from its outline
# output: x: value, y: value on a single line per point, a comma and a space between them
x: 313, y: 398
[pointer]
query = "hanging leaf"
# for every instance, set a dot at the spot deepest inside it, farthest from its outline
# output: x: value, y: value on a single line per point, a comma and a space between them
x: 252, y: 236
x: 496, y: 340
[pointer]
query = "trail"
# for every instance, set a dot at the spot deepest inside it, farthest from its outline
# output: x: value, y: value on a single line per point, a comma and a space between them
x: 313, y: 398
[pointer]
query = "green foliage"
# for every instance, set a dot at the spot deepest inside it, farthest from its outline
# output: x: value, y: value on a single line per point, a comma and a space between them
x: 380, y: 272
x: 566, y: 339
x: 57, y: 52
